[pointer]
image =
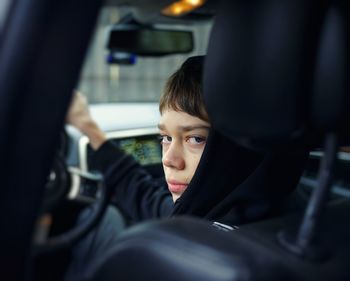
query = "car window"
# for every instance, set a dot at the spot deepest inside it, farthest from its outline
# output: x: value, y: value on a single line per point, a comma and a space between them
x: 4, y: 5
x: 141, y: 82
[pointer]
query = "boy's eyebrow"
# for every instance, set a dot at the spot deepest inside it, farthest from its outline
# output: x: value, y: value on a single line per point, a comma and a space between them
x: 186, y: 128
x: 193, y: 127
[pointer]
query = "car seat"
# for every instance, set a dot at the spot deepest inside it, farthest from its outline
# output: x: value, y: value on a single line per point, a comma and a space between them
x: 277, y: 70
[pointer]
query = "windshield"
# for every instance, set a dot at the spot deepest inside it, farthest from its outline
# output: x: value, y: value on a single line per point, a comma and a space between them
x: 141, y: 82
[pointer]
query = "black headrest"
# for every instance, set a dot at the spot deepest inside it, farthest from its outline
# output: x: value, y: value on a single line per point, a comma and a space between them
x: 277, y: 70
x: 187, y: 249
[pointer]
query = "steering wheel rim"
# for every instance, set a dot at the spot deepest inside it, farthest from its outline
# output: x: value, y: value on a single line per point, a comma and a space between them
x: 69, y: 238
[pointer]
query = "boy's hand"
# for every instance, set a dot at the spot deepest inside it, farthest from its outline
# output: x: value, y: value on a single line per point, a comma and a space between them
x: 78, y: 113
x: 79, y: 116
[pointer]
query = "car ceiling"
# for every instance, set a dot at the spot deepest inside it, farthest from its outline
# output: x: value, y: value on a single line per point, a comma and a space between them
x: 148, y: 12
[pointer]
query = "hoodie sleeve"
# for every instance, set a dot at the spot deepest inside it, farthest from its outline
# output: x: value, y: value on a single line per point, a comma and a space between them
x: 137, y: 193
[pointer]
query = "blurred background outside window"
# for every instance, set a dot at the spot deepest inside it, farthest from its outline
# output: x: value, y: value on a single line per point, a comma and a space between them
x: 141, y: 82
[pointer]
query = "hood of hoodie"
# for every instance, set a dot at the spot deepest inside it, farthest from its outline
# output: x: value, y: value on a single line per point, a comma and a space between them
x: 236, y: 185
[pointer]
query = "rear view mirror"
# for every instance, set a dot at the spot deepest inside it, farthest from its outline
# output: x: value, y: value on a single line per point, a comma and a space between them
x: 148, y: 41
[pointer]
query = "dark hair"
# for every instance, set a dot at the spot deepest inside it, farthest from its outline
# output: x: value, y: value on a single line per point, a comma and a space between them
x: 183, y: 90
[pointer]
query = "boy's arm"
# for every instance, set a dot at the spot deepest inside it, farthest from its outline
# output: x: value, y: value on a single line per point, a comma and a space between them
x: 137, y: 193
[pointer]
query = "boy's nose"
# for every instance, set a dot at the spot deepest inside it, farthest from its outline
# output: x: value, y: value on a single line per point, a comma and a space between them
x: 173, y: 158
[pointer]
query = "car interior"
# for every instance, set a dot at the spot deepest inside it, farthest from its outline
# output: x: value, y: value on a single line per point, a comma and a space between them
x: 275, y: 81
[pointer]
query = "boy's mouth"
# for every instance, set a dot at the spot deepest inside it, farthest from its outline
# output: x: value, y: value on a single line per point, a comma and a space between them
x: 177, y: 187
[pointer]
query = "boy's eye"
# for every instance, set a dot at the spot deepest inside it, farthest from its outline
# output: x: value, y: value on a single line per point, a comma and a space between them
x: 165, y: 139
x: 196, y: 140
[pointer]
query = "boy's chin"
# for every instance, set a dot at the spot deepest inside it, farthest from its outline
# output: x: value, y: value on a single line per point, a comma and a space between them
x: 175, y: 196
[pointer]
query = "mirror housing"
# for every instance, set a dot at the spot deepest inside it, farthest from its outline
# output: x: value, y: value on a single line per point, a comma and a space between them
x: 148, y: 40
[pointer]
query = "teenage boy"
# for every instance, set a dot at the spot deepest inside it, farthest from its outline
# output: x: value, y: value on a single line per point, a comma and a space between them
x: 183, y: 127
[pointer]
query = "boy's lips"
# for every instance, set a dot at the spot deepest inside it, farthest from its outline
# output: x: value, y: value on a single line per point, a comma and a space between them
x: 177, y: 187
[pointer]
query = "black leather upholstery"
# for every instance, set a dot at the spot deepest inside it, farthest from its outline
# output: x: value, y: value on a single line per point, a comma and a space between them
x: 189, y: 249
x: 282, y: 71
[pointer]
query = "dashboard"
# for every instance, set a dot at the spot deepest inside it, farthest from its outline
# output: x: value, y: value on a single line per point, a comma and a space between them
x: 142, y: 144
x: 132, y: 126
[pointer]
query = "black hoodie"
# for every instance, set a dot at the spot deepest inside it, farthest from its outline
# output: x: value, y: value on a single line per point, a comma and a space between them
x: 232, y: 184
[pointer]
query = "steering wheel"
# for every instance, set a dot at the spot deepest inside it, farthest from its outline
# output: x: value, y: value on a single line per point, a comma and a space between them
x: 56, y: 190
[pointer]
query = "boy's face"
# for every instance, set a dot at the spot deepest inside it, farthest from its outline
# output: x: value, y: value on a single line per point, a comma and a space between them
x: 183, y: 139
